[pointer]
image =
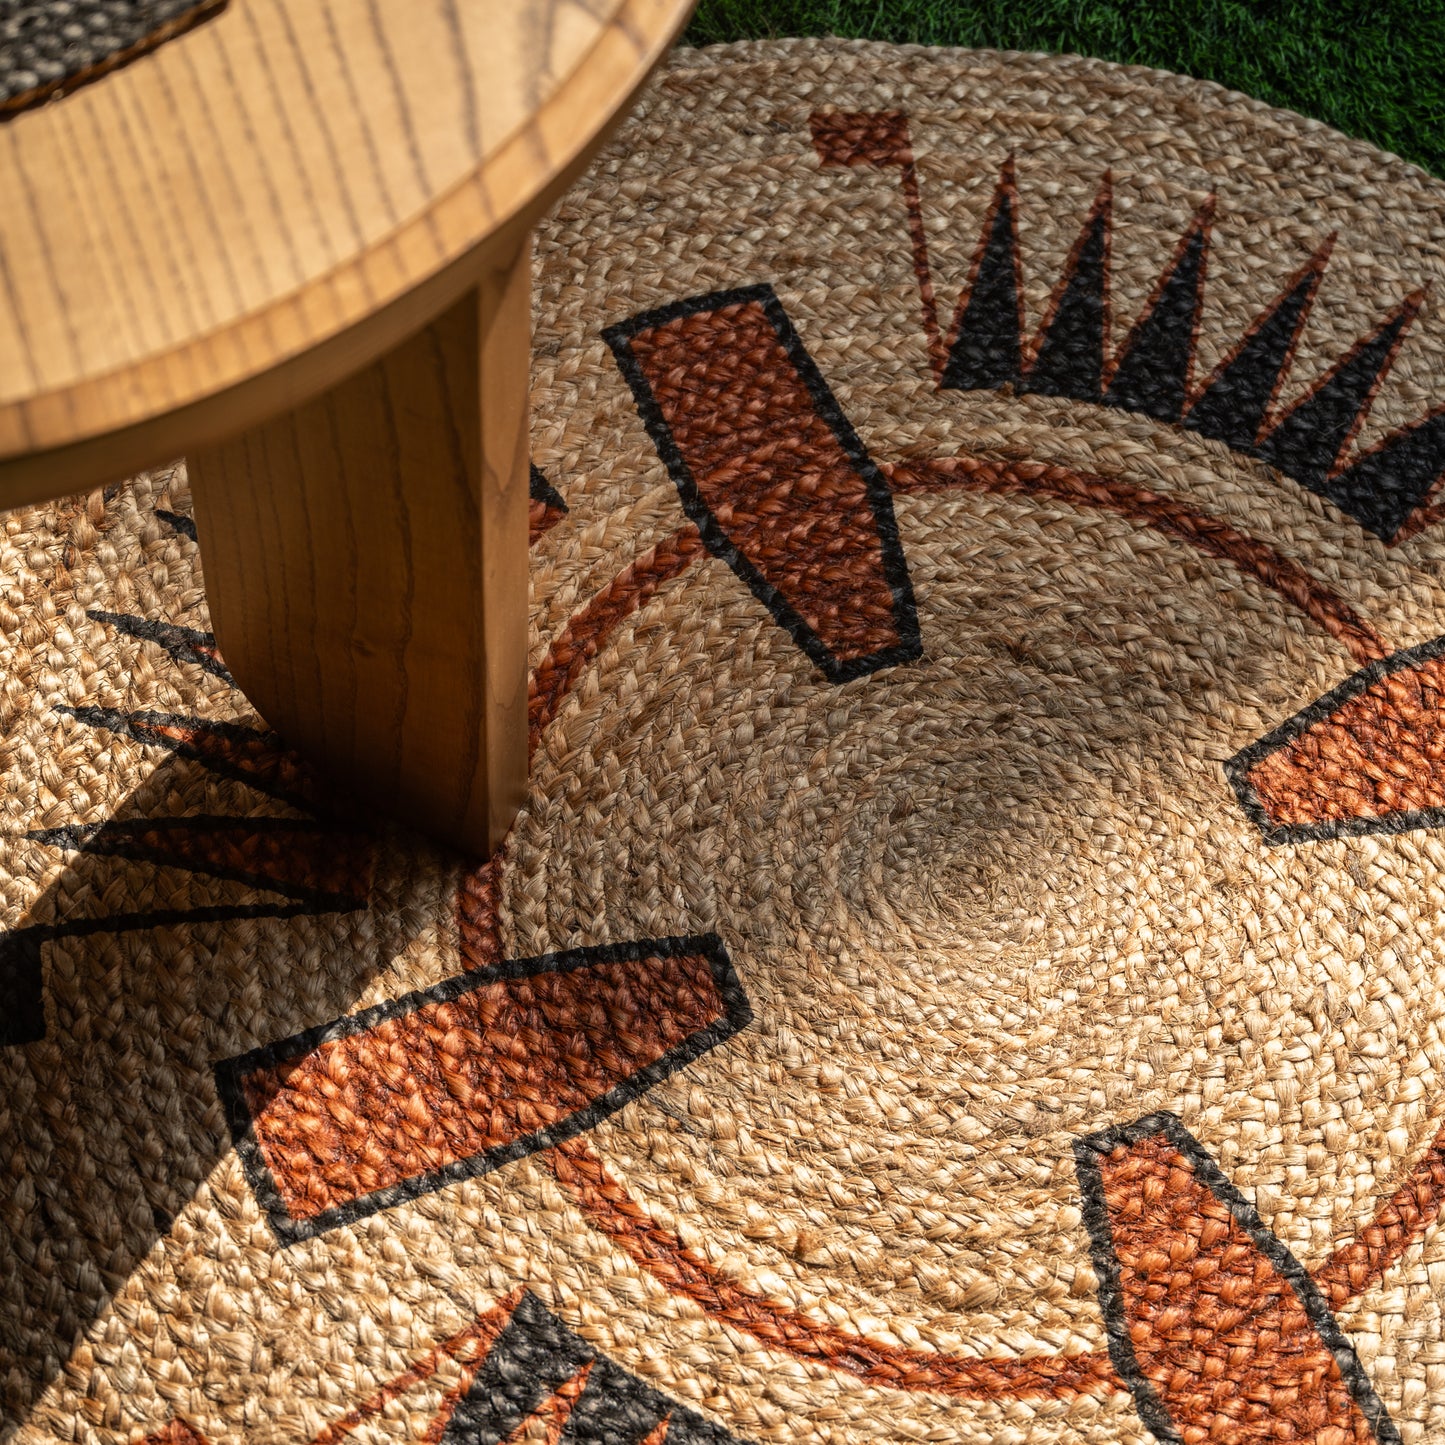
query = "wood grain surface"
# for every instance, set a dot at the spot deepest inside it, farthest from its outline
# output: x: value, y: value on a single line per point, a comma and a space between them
x: 366, y: 566
x: 273, y: 200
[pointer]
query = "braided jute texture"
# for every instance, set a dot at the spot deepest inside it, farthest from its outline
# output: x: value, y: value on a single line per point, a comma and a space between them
x: 969, y: 967
x: 50, y: 46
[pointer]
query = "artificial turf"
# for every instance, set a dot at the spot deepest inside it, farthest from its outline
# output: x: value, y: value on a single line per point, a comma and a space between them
x: 1374, y: 70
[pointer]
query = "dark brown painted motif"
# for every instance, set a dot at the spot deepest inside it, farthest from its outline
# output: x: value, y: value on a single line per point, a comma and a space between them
x: 368, y: 1111
x: 773, y: 477
x: 1388, y: 489
x: 519, y: 1365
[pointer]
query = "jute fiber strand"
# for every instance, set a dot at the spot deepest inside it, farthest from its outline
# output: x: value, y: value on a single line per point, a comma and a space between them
x: 969, y: 965
x: 52, y: 46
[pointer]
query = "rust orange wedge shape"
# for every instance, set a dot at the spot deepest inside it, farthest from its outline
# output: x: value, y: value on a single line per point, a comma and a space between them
x: 772, y: 474
x: 1367, y: 757
x: 453, y: 1081
x: 1212, y: 1323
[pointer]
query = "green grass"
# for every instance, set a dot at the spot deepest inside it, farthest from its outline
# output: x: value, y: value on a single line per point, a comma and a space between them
x: 1371, y: 68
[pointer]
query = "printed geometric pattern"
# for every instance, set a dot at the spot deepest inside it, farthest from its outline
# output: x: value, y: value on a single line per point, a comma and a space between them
x: 520, y: 1363
x: 536, y: 1357
x: 1152, y: 374
x: 546, y: 505
x: 1367, y: 757
x: 936, y: 752
x: 310, y: 864
x: 1214, y: 1325
x: 772, y: 475
x: 499, y: 1063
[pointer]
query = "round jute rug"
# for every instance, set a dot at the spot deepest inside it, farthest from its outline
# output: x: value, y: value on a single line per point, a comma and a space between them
x: 970, y: 964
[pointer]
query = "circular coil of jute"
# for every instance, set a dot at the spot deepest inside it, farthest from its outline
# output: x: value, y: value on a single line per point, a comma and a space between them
x: 969, y: 966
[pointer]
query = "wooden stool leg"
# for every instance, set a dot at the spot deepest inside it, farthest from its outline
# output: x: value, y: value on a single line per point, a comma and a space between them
x: 365, y: 558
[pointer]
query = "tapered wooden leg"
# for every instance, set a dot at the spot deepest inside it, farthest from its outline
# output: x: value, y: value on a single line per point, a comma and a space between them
x: 365, y: 559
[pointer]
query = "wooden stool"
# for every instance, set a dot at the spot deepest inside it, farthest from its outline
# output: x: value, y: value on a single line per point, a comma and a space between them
x: 292, y: 244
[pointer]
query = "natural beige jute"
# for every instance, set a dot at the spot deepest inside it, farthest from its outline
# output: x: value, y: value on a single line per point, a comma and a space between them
x: 969, y: 967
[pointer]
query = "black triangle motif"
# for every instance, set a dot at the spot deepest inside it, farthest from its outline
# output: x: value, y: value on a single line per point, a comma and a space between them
x: 1153, y: 372
x: 985, y: 351
x: 1308, y: 440
x: 536, y: 1354
x: 615, y: 1408
x: 541, y: 490
x: 1382, y: 488
x: 1232, y: 406
x: 185, y: 644
x: 186, y: 526
x: 1069, y: 360
x: 316, y: 862
x: 228, y: 749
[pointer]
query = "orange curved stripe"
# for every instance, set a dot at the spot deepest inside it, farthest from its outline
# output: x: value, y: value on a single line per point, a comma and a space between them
x: 1210, y: 535
x: 1401, y: 1221
x: 680, y: 1271
x: 468, y: 1346
x: 587, y: 630
x: 1354, y: 1267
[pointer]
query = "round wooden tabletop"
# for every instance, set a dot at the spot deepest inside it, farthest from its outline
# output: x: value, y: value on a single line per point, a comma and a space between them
x: 271, y: 200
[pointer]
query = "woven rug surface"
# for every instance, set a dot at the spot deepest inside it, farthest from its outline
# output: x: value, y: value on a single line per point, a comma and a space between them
x: 49, y: 46
x: 969, y: 967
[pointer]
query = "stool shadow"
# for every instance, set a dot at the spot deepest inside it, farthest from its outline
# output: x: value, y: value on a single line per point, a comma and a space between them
x: 131, y: 976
